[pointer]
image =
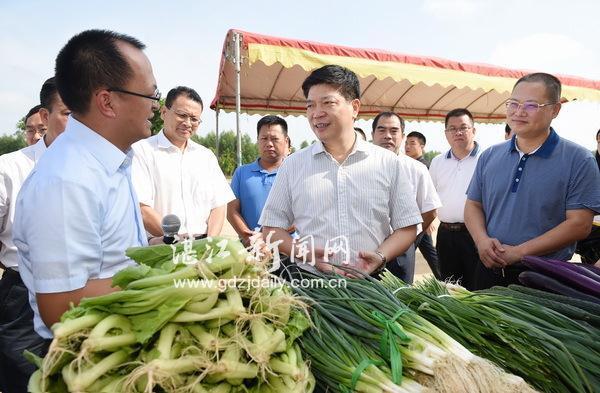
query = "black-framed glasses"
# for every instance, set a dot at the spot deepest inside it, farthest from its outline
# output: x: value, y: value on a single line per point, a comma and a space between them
x: 454, y: 130
x: 529, y: 107
x: 155, y: 97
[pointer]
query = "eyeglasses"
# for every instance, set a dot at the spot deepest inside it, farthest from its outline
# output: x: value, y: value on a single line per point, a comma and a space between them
x: 33, y: 130
x: 183, y: 117
x: 454, y: 130
x: 529, y: 107
x: 155, y: 97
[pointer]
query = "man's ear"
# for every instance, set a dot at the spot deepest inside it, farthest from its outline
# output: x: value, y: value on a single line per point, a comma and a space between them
x: 105, y: 103
x: 44, y: 115
x: 355, y: 108
x: 556, y: 110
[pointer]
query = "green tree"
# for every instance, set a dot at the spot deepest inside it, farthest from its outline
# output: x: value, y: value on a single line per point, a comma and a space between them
x: 228, y: 149
x: 304, y: 144
x: 10, y: 143
x: 21, y: 124
x: 430, y: 154
x: 157, y: 122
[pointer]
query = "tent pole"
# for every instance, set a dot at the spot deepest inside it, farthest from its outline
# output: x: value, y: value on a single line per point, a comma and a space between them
x: 217, y: 131
x: 236, y: 41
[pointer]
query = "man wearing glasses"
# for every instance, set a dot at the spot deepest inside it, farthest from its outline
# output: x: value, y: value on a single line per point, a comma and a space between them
x: 71, y: 248
x: 34, y: 127
x: 172, y: 174
x: 451, y: 173
x: 535, y: 194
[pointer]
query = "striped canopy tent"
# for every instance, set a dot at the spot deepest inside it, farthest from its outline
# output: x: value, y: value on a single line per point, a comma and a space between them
x: 263, y: 75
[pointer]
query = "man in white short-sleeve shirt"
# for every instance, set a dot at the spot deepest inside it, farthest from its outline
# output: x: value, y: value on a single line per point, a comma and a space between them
x: 341, y: 187
x: 172, y: 174
x: 16, y: 316
x: 451, y: 173
x: 388, y: 132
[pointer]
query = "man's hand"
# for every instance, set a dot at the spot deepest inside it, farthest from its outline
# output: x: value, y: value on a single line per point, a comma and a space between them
x: 491, y: 252
x: 597, y: 263
x: 431, y: 228
x: 319, y: 256
x: 511, y: 254
x: 246, y: 237
x: 368, y: 262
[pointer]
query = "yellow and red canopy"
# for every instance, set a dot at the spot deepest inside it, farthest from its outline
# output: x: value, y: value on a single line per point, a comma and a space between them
x: 416, y: 87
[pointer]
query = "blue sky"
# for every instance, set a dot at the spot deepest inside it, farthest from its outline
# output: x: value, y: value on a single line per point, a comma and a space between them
x: 184, y: 41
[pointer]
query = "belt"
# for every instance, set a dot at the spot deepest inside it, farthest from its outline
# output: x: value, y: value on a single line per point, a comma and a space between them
x: 453, y: 226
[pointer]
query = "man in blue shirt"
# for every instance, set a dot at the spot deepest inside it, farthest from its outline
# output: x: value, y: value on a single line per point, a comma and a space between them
x: 535, y: 194
x: 71, y: 248
x: 252, y: 182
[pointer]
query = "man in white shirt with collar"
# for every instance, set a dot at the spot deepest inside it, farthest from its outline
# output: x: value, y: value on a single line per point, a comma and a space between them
x: 34, y: 126
x: 72, y: 247
x: 16, y: 325
x: 172, y: 174
x: 388, y: 132
x: 341, y: 187
x: 451, y: 173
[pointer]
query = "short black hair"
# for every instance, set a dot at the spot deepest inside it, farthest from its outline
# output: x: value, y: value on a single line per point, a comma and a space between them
x: 337, y: 76
x: 458, y: 112
x: 388, y: 114
x: 552, y: 84
x: 361, y: 132
x: 598, y: 133
x: 32, y: 112
x: 91, y: 60
x: 48, y: 94
x: 507, y: 129
x: 272, y: 120
x: 419, y: 136
x: 182, y: 91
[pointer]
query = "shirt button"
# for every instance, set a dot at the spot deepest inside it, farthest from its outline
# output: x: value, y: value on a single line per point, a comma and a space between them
x: 520, y: 168
x: 524, y: 158
x: 517, y: 180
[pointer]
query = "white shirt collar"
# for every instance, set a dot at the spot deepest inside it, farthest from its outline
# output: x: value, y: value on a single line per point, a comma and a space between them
x: 164, y: 142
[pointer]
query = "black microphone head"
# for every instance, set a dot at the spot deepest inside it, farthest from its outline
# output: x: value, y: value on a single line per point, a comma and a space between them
x: 170, y: 225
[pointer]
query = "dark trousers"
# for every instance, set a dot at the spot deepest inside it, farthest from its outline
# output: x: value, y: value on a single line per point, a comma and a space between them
x: 457, y: 256
x: 486, y: 278
x: 16, y: 334
x: 425, y: 245
x: 589, y: 248
x: 404, y: 265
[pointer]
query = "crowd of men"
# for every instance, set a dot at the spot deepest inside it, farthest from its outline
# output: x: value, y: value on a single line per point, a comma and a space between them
x: 105, y: 184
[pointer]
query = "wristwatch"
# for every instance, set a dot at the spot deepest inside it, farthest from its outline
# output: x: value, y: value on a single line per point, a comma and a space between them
x: 381, y: 268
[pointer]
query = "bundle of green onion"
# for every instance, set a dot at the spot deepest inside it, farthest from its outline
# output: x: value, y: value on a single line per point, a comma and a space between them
x: 366, y: 340
x: 196, y: 317
x: 550, y: 351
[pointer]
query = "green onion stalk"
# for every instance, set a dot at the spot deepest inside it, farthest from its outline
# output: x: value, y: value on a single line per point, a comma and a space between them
x: 522, y: 338
x: 411, y: 347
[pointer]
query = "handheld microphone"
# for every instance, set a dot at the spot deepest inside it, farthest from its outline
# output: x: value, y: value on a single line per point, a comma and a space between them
x: 170, y: 225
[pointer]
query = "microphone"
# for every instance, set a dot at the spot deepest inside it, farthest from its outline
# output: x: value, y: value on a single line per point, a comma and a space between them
x: 170, y: 225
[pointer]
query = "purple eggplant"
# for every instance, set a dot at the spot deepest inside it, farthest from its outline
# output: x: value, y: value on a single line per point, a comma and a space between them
x: 591, y: 268
x: 540, y: 281
x: 565, y: 274
x: 576, y: 267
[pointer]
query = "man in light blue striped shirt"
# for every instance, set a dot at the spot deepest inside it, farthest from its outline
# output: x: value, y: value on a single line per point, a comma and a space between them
x: 341, y: 187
